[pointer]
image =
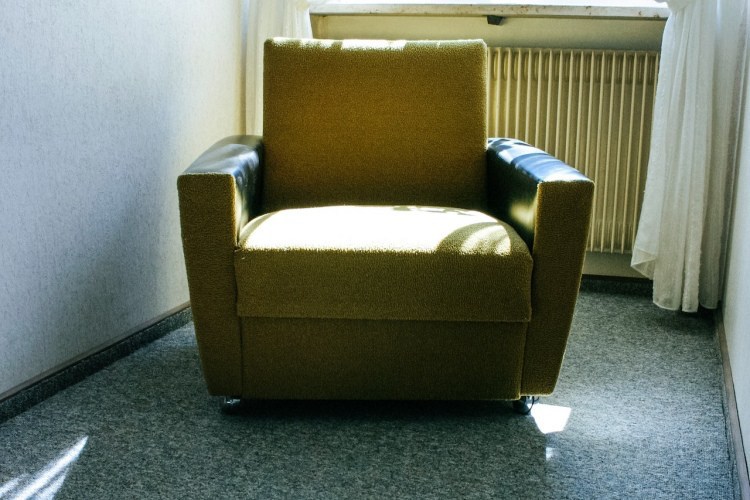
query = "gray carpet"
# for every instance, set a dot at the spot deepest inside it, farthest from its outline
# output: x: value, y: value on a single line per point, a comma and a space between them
x: 641, y: 389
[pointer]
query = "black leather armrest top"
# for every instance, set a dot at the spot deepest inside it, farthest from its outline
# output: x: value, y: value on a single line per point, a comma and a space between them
x: 514, y: 172
x: 242, y: 157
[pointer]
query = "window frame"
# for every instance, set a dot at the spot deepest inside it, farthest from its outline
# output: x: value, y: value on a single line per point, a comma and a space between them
x: 516, y: 8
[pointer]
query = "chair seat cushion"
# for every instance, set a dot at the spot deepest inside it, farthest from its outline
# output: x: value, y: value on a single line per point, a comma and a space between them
x: 383, y: 262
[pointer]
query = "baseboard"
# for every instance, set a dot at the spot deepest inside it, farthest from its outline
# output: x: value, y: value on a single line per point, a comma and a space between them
x: 735, y: 431
x: 22, y: 397
x: 609, y: 264
x: 617, y: 285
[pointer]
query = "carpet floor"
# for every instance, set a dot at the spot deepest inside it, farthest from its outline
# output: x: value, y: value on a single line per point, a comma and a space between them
x: 638, y: 413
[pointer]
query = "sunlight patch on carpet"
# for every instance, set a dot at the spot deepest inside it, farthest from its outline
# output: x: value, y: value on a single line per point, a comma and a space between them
x: 47, y: 481
x: 550, y: 418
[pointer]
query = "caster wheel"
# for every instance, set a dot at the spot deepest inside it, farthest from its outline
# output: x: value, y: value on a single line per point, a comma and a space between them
x: 523, y: 405
x: 230, y: 405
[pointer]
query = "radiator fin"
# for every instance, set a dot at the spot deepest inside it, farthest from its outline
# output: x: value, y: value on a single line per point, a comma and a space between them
x: 590, y: 108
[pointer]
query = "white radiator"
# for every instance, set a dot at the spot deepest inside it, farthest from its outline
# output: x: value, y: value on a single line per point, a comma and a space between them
x: 590, y: 108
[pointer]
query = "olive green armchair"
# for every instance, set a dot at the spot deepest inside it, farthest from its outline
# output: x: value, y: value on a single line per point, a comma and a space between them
x: 373, y: 244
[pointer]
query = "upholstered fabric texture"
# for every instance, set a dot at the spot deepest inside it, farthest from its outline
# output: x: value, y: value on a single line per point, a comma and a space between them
x: 383, y: 262
x: 207, y: 218
x: 354, y: 122
x: 562, y: 222
x: 549, y: 202
x: 397, y: 255
x: 293, y: 358
x: 216, y: 196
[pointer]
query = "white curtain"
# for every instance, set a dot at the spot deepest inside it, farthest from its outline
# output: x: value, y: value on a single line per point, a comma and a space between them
x: 267, y: 19
x: 681, y: 238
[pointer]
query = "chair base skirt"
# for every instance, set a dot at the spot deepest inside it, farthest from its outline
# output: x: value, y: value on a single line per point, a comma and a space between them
x: 299, y: 358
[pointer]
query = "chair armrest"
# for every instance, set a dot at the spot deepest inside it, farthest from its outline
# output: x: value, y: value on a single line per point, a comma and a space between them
x: 218, y: 194
x: 549, y: 205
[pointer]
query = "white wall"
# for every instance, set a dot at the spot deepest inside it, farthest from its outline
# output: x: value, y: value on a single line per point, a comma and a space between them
x: 736, y: 309
x: 102, y: 105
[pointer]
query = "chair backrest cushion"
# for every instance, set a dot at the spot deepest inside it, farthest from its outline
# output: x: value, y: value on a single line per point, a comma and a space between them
x: 374, y: 122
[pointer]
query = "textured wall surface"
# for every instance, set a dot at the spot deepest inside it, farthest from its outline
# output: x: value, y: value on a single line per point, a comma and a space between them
x: 102, y: 105
x: 737, y: 294
x: 736, y: 301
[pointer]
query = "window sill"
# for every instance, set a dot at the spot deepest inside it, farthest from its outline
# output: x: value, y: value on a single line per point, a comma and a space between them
x: 639, y: 9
